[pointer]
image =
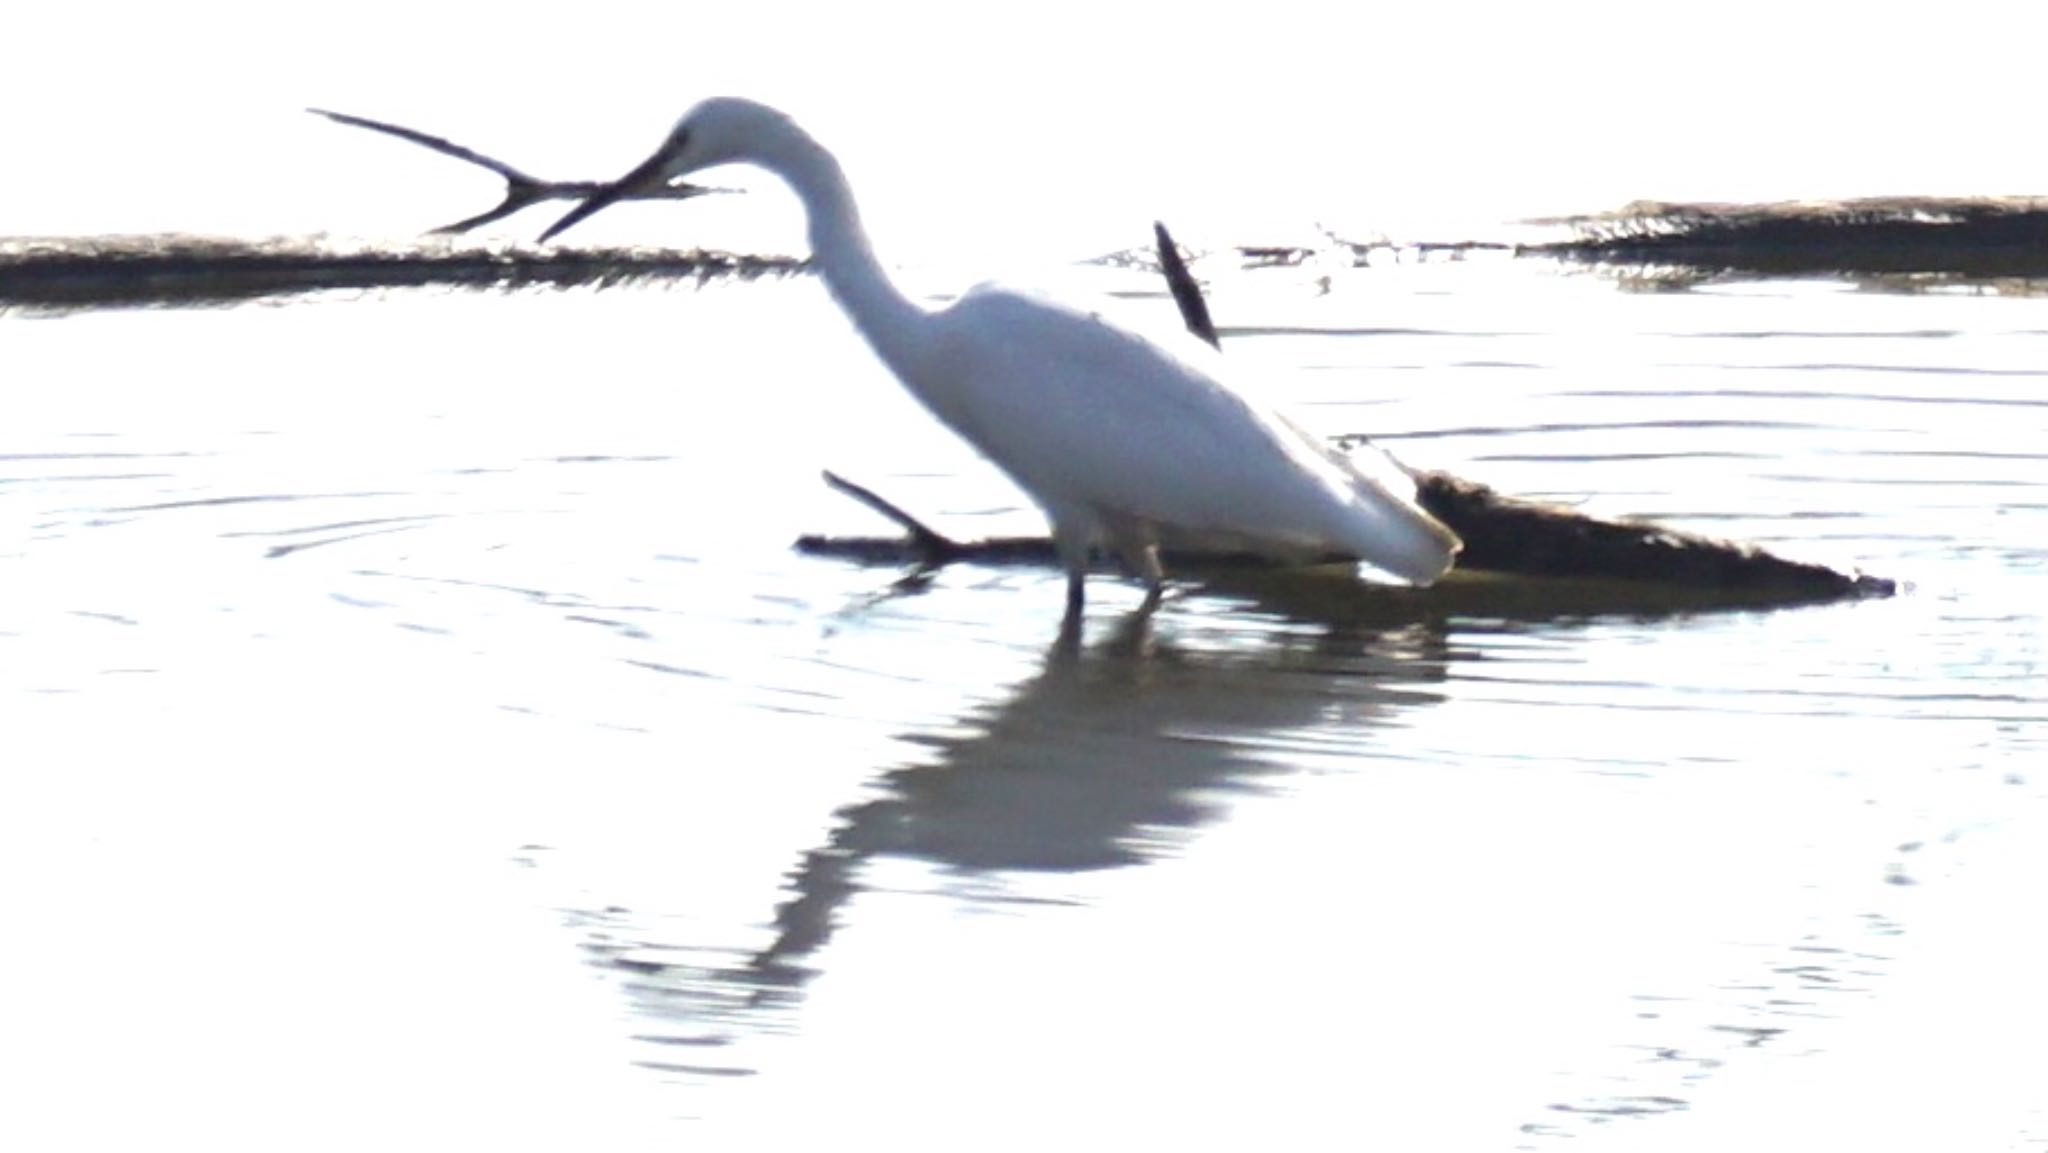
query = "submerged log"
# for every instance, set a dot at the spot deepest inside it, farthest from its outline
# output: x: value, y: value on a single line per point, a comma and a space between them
x: 1517, y: 555
x: 1506, y: 534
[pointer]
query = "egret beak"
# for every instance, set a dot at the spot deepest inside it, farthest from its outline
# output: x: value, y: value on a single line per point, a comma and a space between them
x: 645, y: 179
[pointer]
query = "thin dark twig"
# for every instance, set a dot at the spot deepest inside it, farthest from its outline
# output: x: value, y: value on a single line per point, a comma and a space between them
x: 1194, y: 310
x: 935, y: 545
x: 521, y: 190
x: 427, y: 140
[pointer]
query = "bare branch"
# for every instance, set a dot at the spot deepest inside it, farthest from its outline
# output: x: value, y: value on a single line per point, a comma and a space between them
x: 521, y: 190
x: 935, y: 546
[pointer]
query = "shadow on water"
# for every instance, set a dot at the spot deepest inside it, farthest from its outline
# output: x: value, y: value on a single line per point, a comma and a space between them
x: 1113, y: 753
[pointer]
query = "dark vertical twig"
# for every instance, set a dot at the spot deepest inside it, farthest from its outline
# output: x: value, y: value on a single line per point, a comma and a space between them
x: 1194, y: 311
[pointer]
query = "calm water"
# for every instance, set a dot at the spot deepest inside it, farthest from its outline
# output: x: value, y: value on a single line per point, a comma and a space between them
x: 418, y: 724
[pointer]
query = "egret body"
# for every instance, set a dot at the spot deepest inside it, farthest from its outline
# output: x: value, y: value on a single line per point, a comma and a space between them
x: 1125, y: 443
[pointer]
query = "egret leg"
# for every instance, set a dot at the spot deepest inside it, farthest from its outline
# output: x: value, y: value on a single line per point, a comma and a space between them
x: 1069, y: 643
x: 1137, y: 545
x: 1072, y: 545
x: 1153, y: 575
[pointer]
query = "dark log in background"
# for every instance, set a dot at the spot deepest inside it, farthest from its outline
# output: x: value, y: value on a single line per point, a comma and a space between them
x: 95, y: 272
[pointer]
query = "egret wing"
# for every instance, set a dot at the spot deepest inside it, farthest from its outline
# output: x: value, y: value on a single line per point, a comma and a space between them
x: 1085, y: 414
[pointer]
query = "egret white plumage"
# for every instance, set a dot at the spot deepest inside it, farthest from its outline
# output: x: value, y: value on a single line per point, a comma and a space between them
x: 1124, y: 442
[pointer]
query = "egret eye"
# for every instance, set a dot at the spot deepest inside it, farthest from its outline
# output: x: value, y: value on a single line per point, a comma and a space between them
x: 678, y: 140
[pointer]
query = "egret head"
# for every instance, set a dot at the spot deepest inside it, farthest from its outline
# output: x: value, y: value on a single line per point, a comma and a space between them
x: 722, y: 130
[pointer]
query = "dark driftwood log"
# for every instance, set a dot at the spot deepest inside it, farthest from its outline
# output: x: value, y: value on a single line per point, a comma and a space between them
x: 1502, y: 534
x: 1504, y: 537
x: 104, y: 271
x: 1506, y: 534
x: 1969, y: 238
x: 1894, y: 243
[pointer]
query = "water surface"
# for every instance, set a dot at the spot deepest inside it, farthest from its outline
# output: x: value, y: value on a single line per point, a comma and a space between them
x: 417, y: 717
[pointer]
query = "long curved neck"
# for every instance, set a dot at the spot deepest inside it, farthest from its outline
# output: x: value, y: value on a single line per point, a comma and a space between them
x: 843, y: 257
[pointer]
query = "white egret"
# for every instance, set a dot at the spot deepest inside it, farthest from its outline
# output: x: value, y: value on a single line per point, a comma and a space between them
x: 1124, y: 442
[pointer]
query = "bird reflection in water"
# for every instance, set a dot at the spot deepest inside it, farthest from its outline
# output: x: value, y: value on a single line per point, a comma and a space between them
x: 1116, y: 750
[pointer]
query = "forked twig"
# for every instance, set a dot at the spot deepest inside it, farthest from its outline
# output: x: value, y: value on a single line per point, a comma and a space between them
x: 521, y: 190
x: 936, y: 546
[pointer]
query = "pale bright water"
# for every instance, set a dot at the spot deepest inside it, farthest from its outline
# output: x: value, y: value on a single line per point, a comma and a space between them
x: 418, y: 717
x: 418, y: 730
